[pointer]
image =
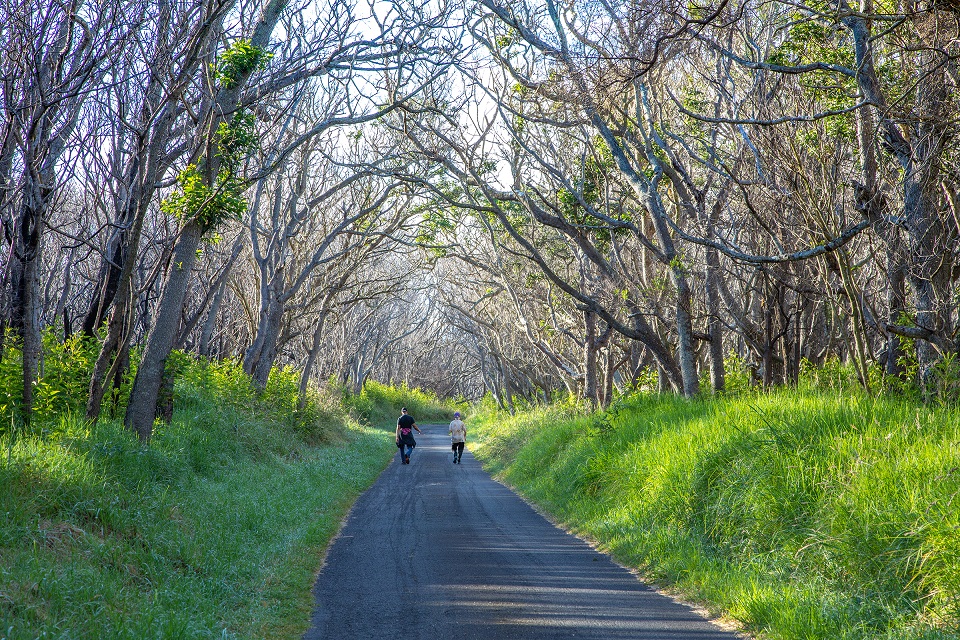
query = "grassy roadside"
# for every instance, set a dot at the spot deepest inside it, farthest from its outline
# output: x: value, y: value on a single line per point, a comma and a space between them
x: 801, y: 514
x: 213, y: 530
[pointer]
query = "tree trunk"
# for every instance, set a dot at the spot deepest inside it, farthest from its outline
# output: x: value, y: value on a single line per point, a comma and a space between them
x: 663, y: 383
x: 30, y: 324
x: 109, y: 279
x: 507, y: 384
x: 61, y: 309
x: 658, y: 349
x: 768, y: 346
x: 141, y: 179
x: 609, y: 370
x: 918, y: 152
x: 25, y: 306
x: 685, y: 352
x: 590, y: 392
x: 929, y: 273
x: 268, y: 348
x: 142, y: 407
x: 263, y: 350
x: 119, y: 322
x: 312, y: 358
x: 648, y: 194
x: 210, y: 322
x: 489, y: 382
x: 896, y: 297
x: 714, y: 323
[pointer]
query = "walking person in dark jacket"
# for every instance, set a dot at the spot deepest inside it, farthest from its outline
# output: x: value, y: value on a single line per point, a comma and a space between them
x: 405, y: 426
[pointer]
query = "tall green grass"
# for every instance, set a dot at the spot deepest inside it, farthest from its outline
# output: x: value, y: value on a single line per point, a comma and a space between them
x: 800, y: 513
x: 213, y: 530
x: 380, y: 404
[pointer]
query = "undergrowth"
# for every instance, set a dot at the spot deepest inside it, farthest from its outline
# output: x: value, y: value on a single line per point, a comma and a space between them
x: 801, y: 513
x: 380, y: 404
x: 212, y: 530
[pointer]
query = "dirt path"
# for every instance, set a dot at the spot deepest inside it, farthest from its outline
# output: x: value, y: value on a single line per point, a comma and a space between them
x: 435, y: 550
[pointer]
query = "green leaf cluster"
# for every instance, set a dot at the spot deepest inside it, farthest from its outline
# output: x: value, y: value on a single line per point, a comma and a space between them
x: 235, y: 139
x: 811, y: 40
x: 61, y: 390
x: 208, y: 205
x: 434, y: 224
x: 240, y: 60
x: 596, y: 170
x: 195, y: 199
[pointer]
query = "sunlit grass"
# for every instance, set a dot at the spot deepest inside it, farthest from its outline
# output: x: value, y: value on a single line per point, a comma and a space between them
x: 802, y: 514
x: 214, y: 530
x: 380, y: 404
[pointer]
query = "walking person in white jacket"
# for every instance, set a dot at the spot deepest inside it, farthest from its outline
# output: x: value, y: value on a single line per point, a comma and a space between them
x: 458, y: 436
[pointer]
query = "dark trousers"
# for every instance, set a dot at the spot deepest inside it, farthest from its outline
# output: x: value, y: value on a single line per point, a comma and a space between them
x: 457, y: 450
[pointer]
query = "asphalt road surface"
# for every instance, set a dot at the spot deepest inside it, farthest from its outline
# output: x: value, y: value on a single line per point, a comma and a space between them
x: 436, y: 550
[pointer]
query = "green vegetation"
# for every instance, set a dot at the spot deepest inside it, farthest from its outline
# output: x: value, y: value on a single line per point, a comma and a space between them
x: 380, y: 404
x: 801, y: 513
x: 239, y: 60
x: 209, y: 205
x: 214, y: 529
x: 212, y: 199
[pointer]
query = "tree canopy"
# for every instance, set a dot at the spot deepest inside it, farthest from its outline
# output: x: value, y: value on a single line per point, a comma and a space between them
x: 481, y: 196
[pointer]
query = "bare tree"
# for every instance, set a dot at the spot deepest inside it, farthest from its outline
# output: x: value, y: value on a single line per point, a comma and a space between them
x: 210, y: 187
x: 54, y: 57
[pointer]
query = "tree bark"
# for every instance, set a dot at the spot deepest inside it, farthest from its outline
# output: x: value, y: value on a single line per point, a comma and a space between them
x: 896, y: 296
x: 714, y: 322
x: 609, y: 371
x: 210, y: 322
x: 260, y: 371
x: 109, y: 279
x: 590, y: 391
x: 142, y: 407
x: 311, y: 361
x: 27, y: 316
x: 918, y: 153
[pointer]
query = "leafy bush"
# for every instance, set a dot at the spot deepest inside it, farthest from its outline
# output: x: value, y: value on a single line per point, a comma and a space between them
x: 737, y: 375
x: 943, y: 384
x: 648, y: 380
x: 61, y: 387
x: 319, y: 420
x: 379, y: 404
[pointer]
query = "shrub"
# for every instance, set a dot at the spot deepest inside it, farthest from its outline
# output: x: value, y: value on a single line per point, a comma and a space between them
x: 62, y: 383
x: 737, y: 375
x: 319, y: 420
x: 380, y: 404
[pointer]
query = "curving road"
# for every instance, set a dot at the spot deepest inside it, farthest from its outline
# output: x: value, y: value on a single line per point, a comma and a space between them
x: 435, y: 550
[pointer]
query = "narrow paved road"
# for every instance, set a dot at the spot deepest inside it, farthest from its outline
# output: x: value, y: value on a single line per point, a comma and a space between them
x: 435, y: 550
